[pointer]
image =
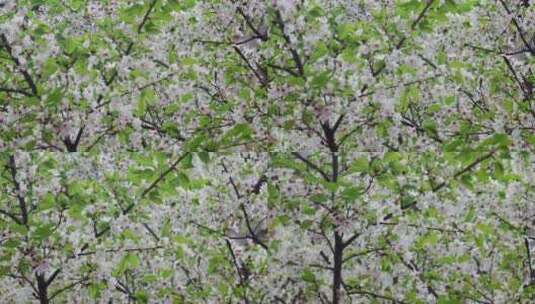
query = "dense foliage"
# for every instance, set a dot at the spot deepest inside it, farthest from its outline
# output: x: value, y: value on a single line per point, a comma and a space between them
x: 284, y: 151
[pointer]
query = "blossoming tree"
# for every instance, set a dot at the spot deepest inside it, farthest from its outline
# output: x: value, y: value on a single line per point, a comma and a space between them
x: 279, y: 151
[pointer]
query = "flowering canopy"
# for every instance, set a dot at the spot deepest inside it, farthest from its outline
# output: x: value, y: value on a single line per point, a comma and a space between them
x: 285, y: 151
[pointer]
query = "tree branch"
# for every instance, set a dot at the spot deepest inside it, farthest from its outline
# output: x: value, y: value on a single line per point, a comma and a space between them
x: 312, y: 165
x: 22, y: 203
x: 27, y: 77
x: 295, y: 55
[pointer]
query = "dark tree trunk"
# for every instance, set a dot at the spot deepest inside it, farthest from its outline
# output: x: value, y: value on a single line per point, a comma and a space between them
x: 42, y: 287
x: 337, y: 270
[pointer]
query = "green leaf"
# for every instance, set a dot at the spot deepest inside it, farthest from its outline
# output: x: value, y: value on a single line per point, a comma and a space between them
x: 141, y: 108
x: 485, y: 229
x: 315, y: 12
x: 141, y: 297
x: 149, y: 95
x: 429, y: 239
x: 130, y: 235
x: 345, y: 31
x: 410, y: 95
x: 214, y: 263
x: 434, y: 108
x: 319, y: 198
x: 351, y: 193
x: 95, y: 289
x: 360, y: 164
x: 146, y: 98
x: 204, y: 157
x: 320, y: 51
x: 308, y: 276
x: 500, y: 140
x: 467, y: 181
x: 49, y: 67
x: 129, y: 262
x: 19, y: 229
x: 187, y: 4
x: 54, y: 97
x: 43, y: 231
x: 319, y: 81
x: 240, y: 131
x: 47, y: 202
